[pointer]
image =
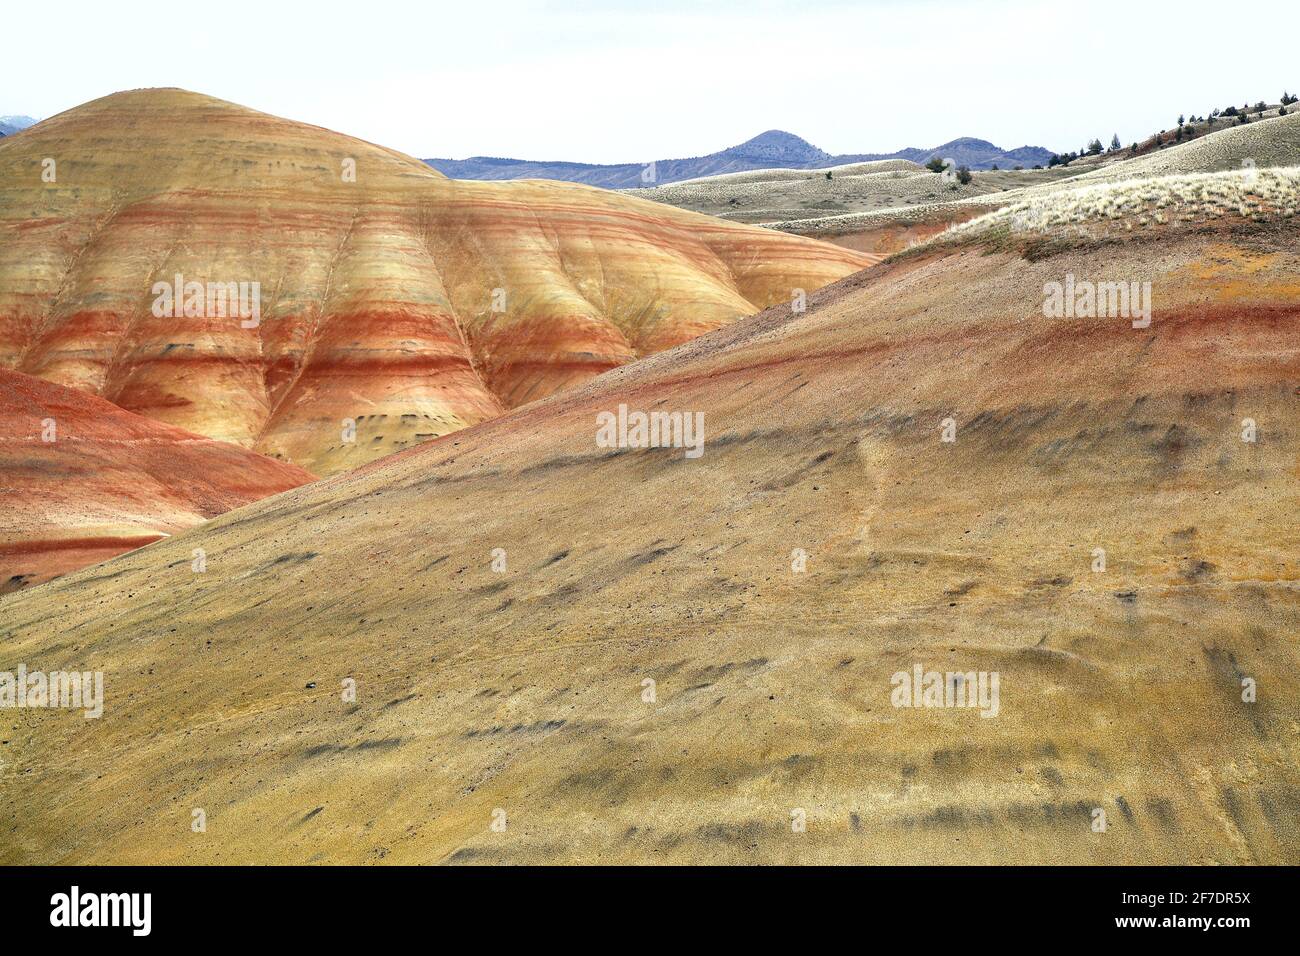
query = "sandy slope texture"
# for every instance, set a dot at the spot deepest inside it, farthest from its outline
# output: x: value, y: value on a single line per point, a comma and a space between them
x: 519, y: 696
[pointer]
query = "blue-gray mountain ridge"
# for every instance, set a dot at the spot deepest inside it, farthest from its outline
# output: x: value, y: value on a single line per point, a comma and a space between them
x: 774, y: 149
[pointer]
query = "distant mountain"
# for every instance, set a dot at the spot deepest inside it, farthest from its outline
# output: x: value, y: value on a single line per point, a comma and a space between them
x: 774, y: 149
x: 777, y: 146
x: 968, y: 151
x: 12, y: 124
x: 765, y: 151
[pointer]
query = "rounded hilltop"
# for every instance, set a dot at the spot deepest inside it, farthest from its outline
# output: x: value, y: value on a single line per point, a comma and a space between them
x: 391, y: 297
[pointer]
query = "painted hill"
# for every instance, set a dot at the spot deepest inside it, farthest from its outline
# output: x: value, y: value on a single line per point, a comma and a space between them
x: 679, y: 656
x: 81, y: 480
x: 395, y: 305
x: 773, y: 149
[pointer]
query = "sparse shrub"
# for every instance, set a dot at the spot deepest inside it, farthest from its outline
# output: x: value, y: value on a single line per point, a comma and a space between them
x: 964, y: 174
x: 935, y: 165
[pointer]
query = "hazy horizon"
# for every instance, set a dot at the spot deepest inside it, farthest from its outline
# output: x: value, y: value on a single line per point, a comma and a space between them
x: 610, y: 83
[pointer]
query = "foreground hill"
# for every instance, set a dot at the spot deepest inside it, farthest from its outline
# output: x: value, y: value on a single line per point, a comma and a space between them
x: 394, y: 305
x: 1097, y: 534
x: 774, y: 149
x: 81, y: 480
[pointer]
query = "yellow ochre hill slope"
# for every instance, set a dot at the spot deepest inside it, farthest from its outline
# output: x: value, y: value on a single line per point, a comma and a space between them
x: 630, y: 655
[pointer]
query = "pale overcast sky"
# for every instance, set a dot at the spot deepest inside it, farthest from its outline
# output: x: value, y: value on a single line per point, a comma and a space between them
x: 652, y: 79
